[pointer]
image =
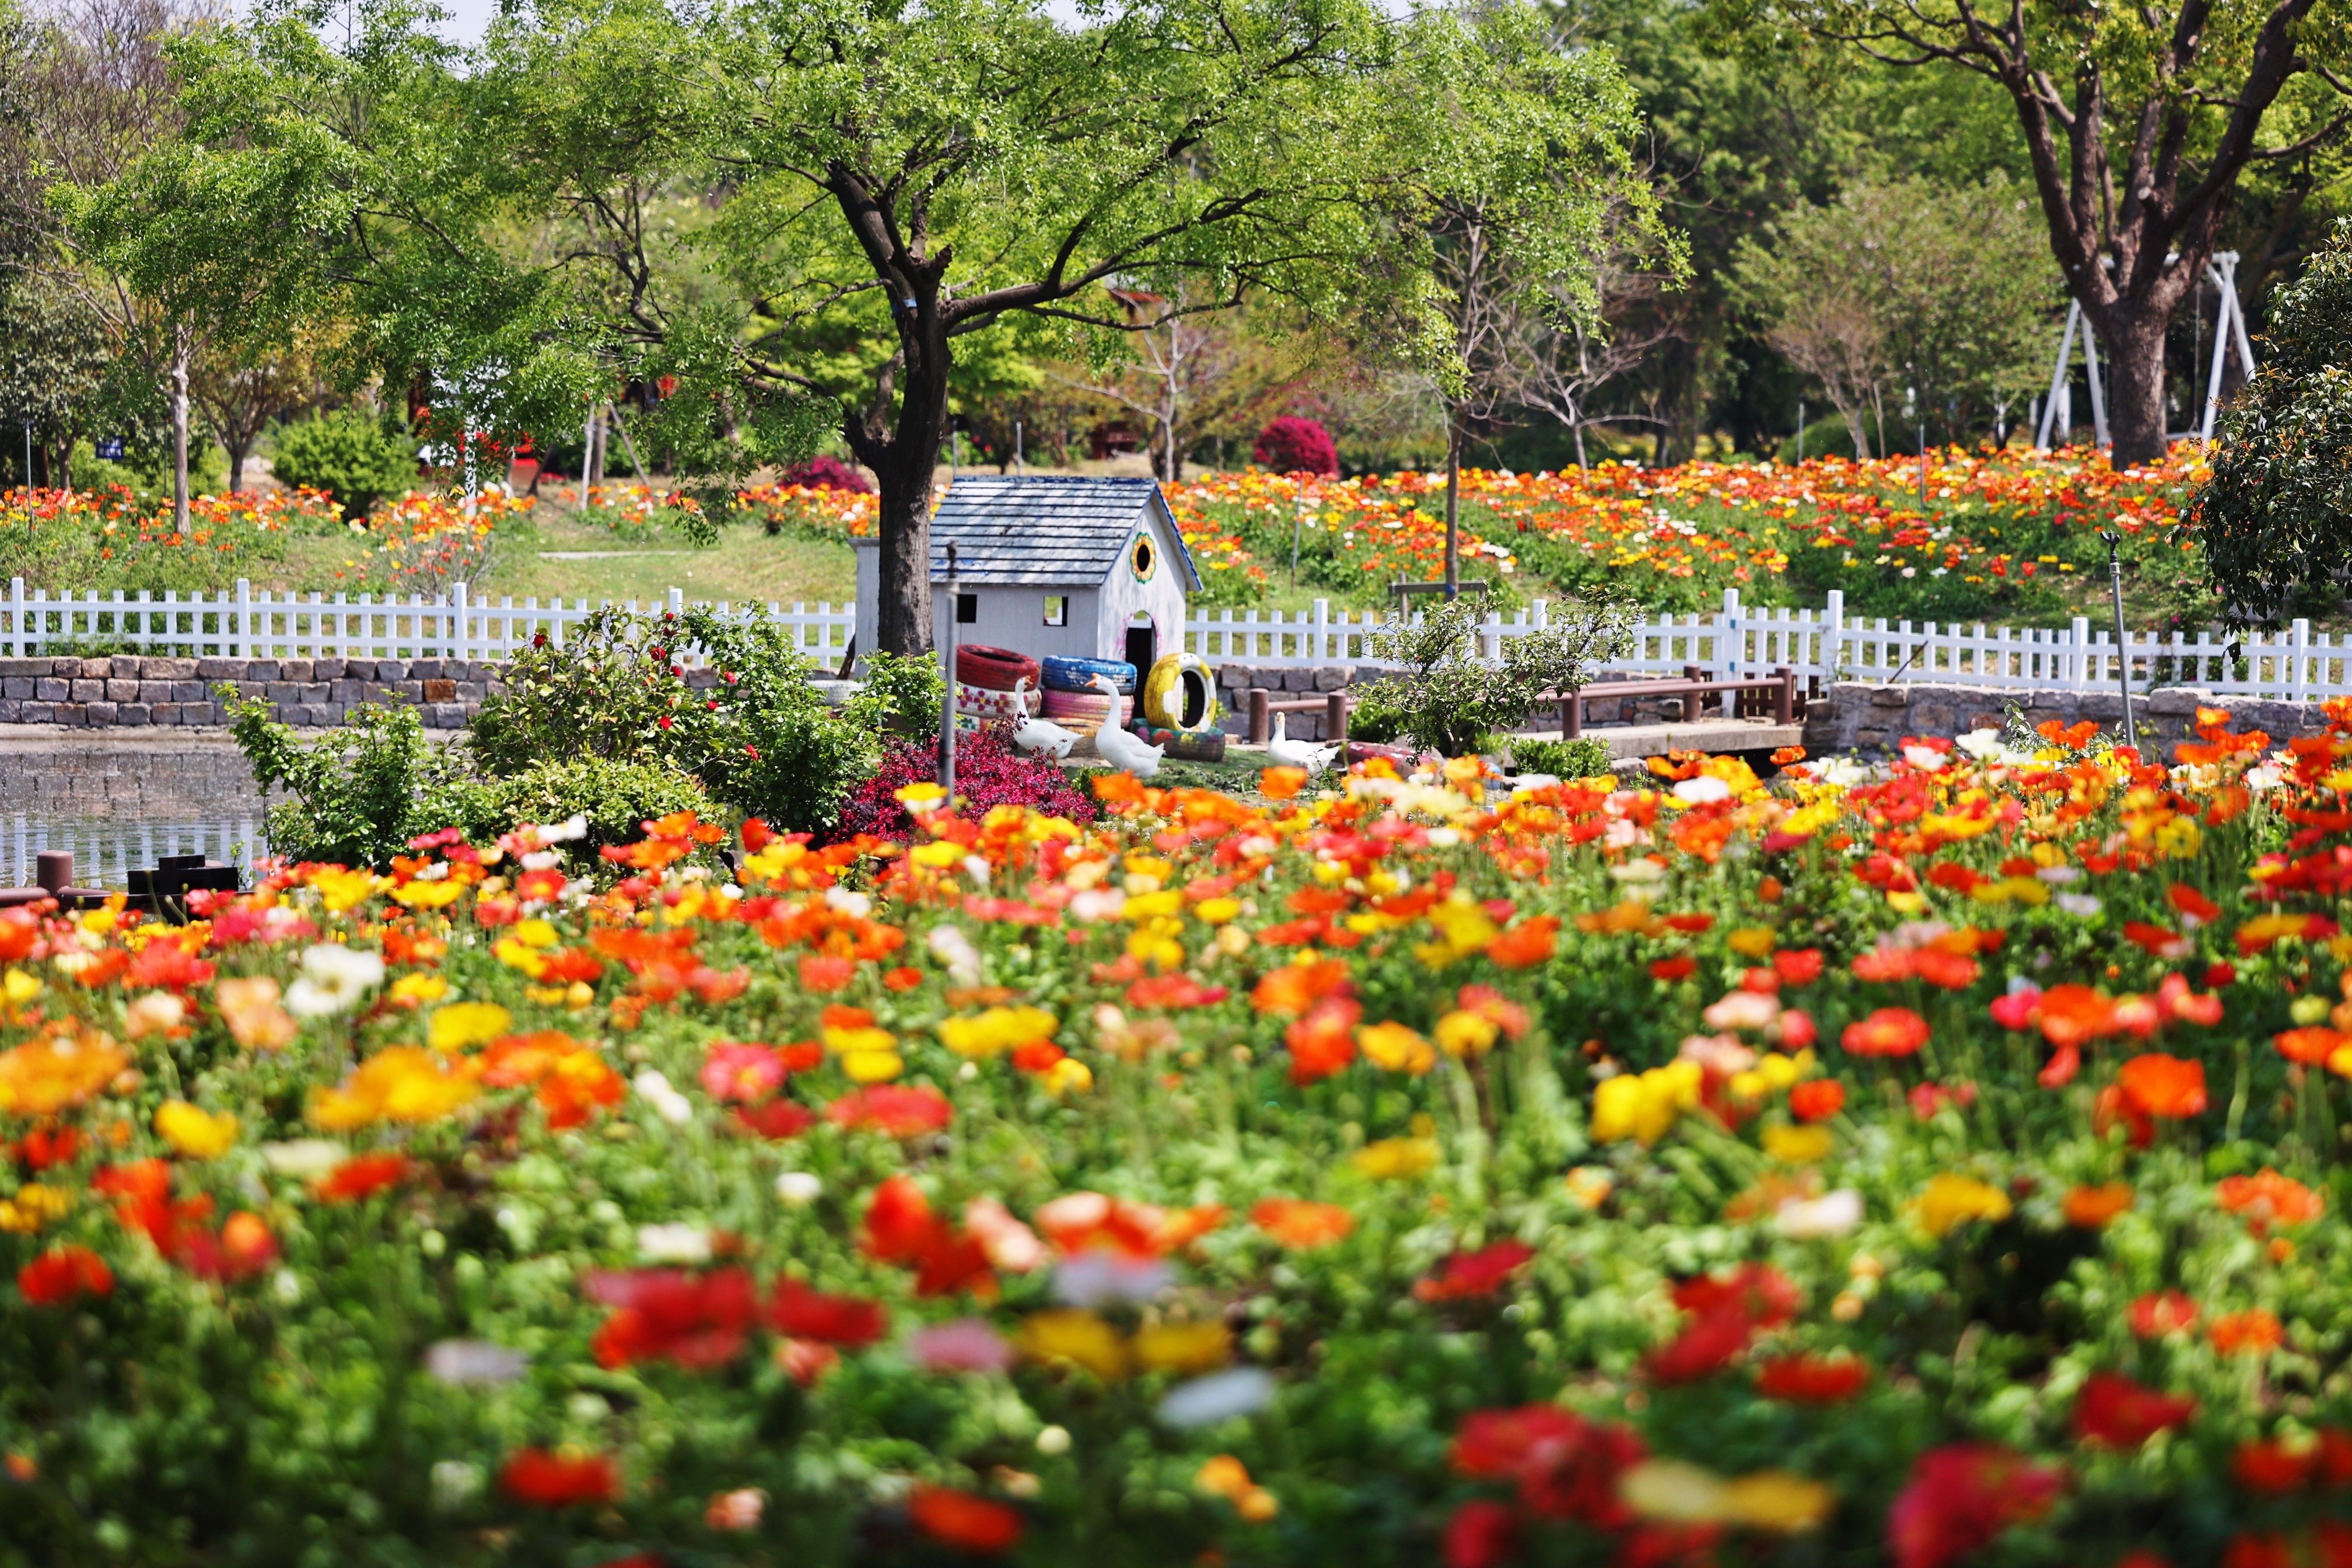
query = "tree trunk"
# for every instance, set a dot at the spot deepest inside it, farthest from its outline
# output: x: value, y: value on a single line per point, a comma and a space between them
x: 1452, y: 505
x: 2133, y: 341
x: 903, y: 465
x: 180, y: 430
x: 237, y: 467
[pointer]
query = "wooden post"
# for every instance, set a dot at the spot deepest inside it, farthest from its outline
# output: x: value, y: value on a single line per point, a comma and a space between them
x: 1694, y: 701
x: 1572, y: 714
x: 1261, y: 716
x: 1335, y: 718
x: 1784, y: 699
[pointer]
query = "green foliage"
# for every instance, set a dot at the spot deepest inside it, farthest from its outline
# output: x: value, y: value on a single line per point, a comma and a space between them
x: 1451, y: 701
x: 901, y: 693
x: 349, y: 454
x: 748, y: 724
x: 1907, y: 294
x: 1582, y: 758
x: 146, y: 472
x: 617, y: 798
x: 53, y: 362
x: 360, y: 793
x: 2277, y: 515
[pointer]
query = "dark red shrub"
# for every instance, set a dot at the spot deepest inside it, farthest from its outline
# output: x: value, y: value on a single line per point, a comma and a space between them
x: 824, y: 473
x: 1294, y: 446
x: 990, y: 771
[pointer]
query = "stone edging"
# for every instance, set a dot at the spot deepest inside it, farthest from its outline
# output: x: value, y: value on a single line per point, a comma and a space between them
x: 125, y: 691
x: 1855, y: 716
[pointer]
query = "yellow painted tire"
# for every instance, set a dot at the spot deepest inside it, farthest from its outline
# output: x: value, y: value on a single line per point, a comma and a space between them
x: 1179, y: 683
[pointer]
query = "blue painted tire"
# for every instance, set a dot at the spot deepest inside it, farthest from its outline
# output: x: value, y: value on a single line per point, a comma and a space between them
x: 1066, y: 674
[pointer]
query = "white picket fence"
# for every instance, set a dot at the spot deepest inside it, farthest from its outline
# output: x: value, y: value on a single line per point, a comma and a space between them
x: 246, y: 623
x: 1738, y: 639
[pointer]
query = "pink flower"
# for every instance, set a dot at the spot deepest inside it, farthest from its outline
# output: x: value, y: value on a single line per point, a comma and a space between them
x: 732, y: 1071
x: 967, y: 1344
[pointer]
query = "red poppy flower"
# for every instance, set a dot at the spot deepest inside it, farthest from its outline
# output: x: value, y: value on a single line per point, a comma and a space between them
x: 824, y: 974
x: 1962, y: 1497
x: 1757, y: 1291
x: 1174, y: 991
x: 1809, y: 1379
x: 695, y: 1321
x: 1481, y: 1533
x: 1323, y: 1041
x: 900, y: 1111
x: 1816, y: 1099
x: 361, y: 1176
x: 2162, y: 1313
x: 2114, y: 1410
x: 1707, y: 1344
x: 966, y: 1522
x: 554, y: 1480
x: 1797, y: 966
x: 777, y: 1119
x: 845, y: 1321
x: 1531, y: 941
x: 1889, y: 1032
x: 1479, y: 1273
x: 1670, y: 969
x: 63, y: 1273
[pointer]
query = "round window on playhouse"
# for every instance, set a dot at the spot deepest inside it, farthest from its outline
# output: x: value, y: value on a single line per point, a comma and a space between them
x: 1142, y: 560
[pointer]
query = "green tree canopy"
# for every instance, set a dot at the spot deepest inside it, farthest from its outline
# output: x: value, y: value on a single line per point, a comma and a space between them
x: 613, y: 189
x: 2277, y: 515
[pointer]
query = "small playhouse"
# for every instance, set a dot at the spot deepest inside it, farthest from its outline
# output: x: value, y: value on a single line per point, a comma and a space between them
x: 1052, y: 567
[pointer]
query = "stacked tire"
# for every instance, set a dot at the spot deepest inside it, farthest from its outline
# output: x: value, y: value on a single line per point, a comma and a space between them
x: 1075, y: 702
x: 986, y: 680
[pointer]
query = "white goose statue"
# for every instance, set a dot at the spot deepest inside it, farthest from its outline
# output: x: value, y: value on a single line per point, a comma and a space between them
x: 1119, y: 749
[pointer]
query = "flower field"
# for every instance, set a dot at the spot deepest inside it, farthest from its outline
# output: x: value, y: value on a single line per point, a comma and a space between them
x: 1936, y: 1167
x: 2009, y: 534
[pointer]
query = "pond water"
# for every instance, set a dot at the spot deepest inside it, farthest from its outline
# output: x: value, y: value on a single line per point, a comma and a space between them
x: 119, y: 799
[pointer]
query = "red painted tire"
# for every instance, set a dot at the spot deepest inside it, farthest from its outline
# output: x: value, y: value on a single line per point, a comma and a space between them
x: 994, y: 668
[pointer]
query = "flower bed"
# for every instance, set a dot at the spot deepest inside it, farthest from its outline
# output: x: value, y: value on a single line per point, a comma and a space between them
x: 1851, y: 1170
x: 2007, y: 533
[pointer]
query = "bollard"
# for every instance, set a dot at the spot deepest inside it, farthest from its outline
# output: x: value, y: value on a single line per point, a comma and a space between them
x: 1784, y: 697
x: 53, y: 871
x: 1261, y: 716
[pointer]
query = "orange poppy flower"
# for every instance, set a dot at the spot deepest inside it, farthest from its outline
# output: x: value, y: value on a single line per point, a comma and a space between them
x: 2311, y: 1047
x: 2254, y: 1331
x: 1281, y: 784
x: 2093, y: 1209
x: 2267, y: 1198
x: 1531, y: 941
x: 1292, y: 989
x: 1297, y: 1223
x: 2159, y: 1085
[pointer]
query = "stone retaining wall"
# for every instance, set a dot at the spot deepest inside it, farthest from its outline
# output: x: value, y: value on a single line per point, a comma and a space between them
x: 1853, y: 716
x: 127, y: 691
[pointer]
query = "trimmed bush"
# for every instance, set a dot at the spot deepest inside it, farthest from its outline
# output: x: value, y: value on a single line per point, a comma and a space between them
x: 349, y: 454
x: 1294, y: 446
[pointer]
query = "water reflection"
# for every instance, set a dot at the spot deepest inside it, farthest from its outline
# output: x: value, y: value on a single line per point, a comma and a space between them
x: 105, y: 850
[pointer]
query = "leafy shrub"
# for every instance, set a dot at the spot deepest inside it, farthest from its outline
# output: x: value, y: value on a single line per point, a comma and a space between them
x: 990, y: 771
x: 616, y: 797
x: 360, y: 793
x: 1294, y: 446
x: 825, y: 473
x: 1581, y: 758
x: 1449, y: 699
x: 349, y: 454
x: 901, y: 693
x: 759, y: 739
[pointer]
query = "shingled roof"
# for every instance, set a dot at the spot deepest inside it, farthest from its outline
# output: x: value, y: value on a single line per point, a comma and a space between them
x: 1044, y: 531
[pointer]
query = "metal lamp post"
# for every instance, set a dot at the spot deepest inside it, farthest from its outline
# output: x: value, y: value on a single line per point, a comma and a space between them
x: 947, y: 701
x: 2114, y: 541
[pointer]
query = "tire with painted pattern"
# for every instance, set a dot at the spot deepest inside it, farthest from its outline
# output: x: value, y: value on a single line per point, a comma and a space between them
x: 1179, y: 693
x: 1064, y: 673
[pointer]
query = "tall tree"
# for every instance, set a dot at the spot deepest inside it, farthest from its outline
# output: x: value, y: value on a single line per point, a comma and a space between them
x: 2137, y: 126
x: 928, y: 174
x: 2276, y: 517
x: 92, y: 93
x: 1912, y: 289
